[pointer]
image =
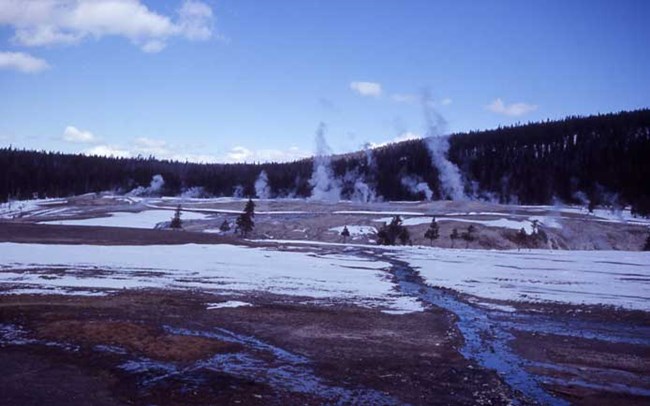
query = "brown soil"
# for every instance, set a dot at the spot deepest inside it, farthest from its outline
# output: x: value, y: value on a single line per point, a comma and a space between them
x: 55, y: 234
x: 135, y: 337
x: 598, y: 362
x: 412, y: 358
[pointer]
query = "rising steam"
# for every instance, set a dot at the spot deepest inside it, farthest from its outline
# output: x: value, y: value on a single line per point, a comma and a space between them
x: 451, y: 181
x: 154, y: 188
x: 262, y: 188
x: 417, y: 186
x: 325, y: 186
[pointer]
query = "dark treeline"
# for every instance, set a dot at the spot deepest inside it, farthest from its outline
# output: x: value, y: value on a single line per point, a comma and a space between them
x: 602, y: 159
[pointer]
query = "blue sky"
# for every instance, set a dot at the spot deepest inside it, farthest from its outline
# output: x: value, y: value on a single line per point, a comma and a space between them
x: 244, y: 80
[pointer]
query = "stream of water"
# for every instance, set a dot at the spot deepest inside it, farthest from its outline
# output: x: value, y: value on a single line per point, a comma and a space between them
x: 487, y: 333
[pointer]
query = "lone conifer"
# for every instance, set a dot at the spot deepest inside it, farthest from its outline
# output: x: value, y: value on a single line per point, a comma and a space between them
x: 245, y: 223
x: 433, y: 232
x: 345, y: 233
x: 176, y: 222
x: 454, y: 236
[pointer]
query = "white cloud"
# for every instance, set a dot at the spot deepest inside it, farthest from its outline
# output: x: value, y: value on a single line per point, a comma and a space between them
x: 405, y: 136
x: 371, y: 89
x: 153, y: 46
x: 243, y: 154
x: 195, y: 20
x: 405, y: 98
x: 514, y: 109
x: 73, y: 134
x: 48, y: 22
x: 410, y: 98
x: 146, y: 147
x: 22, y: 62
x: 108, y: 150
x: 161, y: 149
x: 150, y: 146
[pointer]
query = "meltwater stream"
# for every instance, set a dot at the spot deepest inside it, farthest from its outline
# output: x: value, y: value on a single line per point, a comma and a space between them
x: 486, y: 342
x: 487, y: 333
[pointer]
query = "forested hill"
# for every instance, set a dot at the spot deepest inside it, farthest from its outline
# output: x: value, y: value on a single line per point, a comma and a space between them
x: 602, y: 159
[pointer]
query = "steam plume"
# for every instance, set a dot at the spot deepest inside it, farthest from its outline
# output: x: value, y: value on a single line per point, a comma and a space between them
x: 262, y: 188
x: 417, y: 186
x: 324, y: 185
x: 451, y: 182
x: 154, y: 188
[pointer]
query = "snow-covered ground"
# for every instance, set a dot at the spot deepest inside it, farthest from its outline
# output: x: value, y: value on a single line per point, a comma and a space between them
x: 143, y: 219
x: 618, y: 278
x: 227, y: 305
x: 225, y: 268
x: 526, y: 224
x: 22, y: 208
x: 356, y: 230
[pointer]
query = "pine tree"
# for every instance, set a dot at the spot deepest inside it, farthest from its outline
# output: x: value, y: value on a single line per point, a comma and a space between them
x: 225, y: 226
x: 404, y: 236
x: 245, y: 223
x: 176, y: 222
x: 433, y: 232
x: 647, y: 244
x: 454, y: 236
x: 250, y: 208
x: 388, y: 234
x: 382, y: 235
x: 521, y: 238
x: 535, y: 225
x: 469, y: 235
x: 345, y: 234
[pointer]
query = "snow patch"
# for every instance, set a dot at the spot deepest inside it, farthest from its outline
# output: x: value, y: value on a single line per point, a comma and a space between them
x: 356, y: 230
x: 222, y: 268
x: 228, y: 304
x: 616, y: 278
x: 143, y: 219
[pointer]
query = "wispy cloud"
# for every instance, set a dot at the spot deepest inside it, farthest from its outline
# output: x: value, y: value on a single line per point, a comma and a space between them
x: 411, y: 98
x: 141, y: 146
x: 22, y: 62
x: 405, y: 136
x: 405, y: 98
x: 370, y: 89
x: 243, y: 154
x: 161, y: 149
x: 109, y: 151
x: 73, y: 134
x: 513, y: 110
x: 49, y: 22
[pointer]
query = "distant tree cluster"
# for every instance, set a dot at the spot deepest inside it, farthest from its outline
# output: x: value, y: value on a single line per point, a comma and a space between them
x: 597, y: 160
x: 393, y: 232
x: 433, y: 232
x: 536, y: 238
x: 469, y: 235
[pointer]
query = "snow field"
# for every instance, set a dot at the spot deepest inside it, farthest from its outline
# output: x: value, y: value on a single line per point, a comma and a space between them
x: 144, y: 219
x: 226, y: 268
x: 617, y: 278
